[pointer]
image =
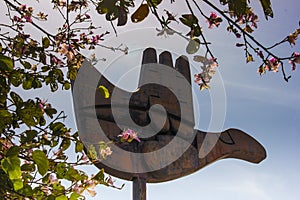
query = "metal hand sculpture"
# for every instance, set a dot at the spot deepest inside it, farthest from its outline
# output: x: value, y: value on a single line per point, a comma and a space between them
x: 204, y: 148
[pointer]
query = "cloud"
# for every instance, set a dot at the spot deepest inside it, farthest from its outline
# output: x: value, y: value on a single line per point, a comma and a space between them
x: 271, y: 95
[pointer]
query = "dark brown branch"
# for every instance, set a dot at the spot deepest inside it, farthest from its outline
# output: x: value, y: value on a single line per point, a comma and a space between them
x: 201, y: 33
x: 34, y: 24
x: 238, y: 27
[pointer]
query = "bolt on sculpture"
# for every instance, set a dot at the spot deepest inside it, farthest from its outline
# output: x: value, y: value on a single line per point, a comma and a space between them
x: 162, y: 112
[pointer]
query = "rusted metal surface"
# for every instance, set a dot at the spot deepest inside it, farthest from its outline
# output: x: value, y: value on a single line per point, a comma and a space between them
x: 231, y: 143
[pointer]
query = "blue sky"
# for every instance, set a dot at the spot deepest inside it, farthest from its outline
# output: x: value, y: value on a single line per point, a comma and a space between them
x: 265, y: 107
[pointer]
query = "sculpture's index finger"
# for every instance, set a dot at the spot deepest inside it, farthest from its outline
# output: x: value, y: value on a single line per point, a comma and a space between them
x: 165, y: 58
x: 182, y: 65
x: 149, y: 56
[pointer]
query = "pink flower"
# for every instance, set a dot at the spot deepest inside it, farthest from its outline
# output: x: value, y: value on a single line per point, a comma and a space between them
x: 294, y: 60
x: 104, y: 152
x: 272, y: 64
x: 213, y: 15
x: 28, y: 19
x: 260, y: 54
x: 56, y: 61
x: 90, y: 187
x: 77, y: 188
x: 198, y: 78
x: 52, y: 178
x: 250, y: 17
x: 253, y: 18
x: 213, y: 20
x: 95, y: 39
x: 16, y: 19
x: 67, y: 51
x: 62, y: 3
x: 22, y: 7
x: 129, y: 135
x: 124, y: 136
x: 110, y: 181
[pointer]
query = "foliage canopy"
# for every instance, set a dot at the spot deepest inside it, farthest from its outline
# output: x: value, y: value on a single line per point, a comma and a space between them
x: 34, y: 138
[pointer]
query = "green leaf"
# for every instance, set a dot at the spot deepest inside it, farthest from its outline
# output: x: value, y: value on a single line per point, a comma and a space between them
x: 18, y: 184
x: 26, y: 64
x: 199, y: 58
x: 6, y: 63
x: 65, y: 144
x: 99, y: 176
x: 16, y: 99
x: 30, y: 135
x: 67, y: 85
x: 79, y: 146
x: 45, y: 68
x: 61, y: 170
x: 106, y: 6
x: 104, y: 91
x: 74, y: 196
x: 36, y: 83
x: 57, y: 128
x: 16, y: 78
x: 28, y: 167
x: 5, y: 114
x: 26, y: 190
x: 197, y: 31
x: 122, y: 16
x: 13, y: 151
x: 140, y: 14
x: 27, y: 83
x: 39, y: 157
x: 50, y: 112
x: 61, y: 197
x: 30, y: 113
x: 72, y: 73
x: 154, y: 3
x: 249, y: 58
x: 193, y: 46
x: 58, y: 187
x: 238, y: 7
x: 92, y: 153
x: 267, y: 8
x: 189, y: 20
x: 5, y: 118
x: 46, y: 42
x: 11, y: 166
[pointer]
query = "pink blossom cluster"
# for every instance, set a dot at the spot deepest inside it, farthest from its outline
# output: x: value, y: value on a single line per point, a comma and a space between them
x: 250, y: 17
x: 105, y: 152
x: 86, y: 185
x: 295, y: 59
x: 26, y: 14
x: 129, y: 135
x: 42, y: 104
x: 272, y: 64
x: 67, y: 50
x: 208, y: 70
x: 213, y: 20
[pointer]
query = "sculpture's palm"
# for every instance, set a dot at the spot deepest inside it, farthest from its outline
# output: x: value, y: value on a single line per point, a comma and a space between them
x: 204, y: 148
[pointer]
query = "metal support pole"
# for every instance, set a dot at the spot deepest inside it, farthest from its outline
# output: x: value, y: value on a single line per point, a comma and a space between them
x: 139, y: 188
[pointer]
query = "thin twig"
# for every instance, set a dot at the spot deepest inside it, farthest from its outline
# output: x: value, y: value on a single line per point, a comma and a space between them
x: 201, y: 33
x: 34, y: 24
